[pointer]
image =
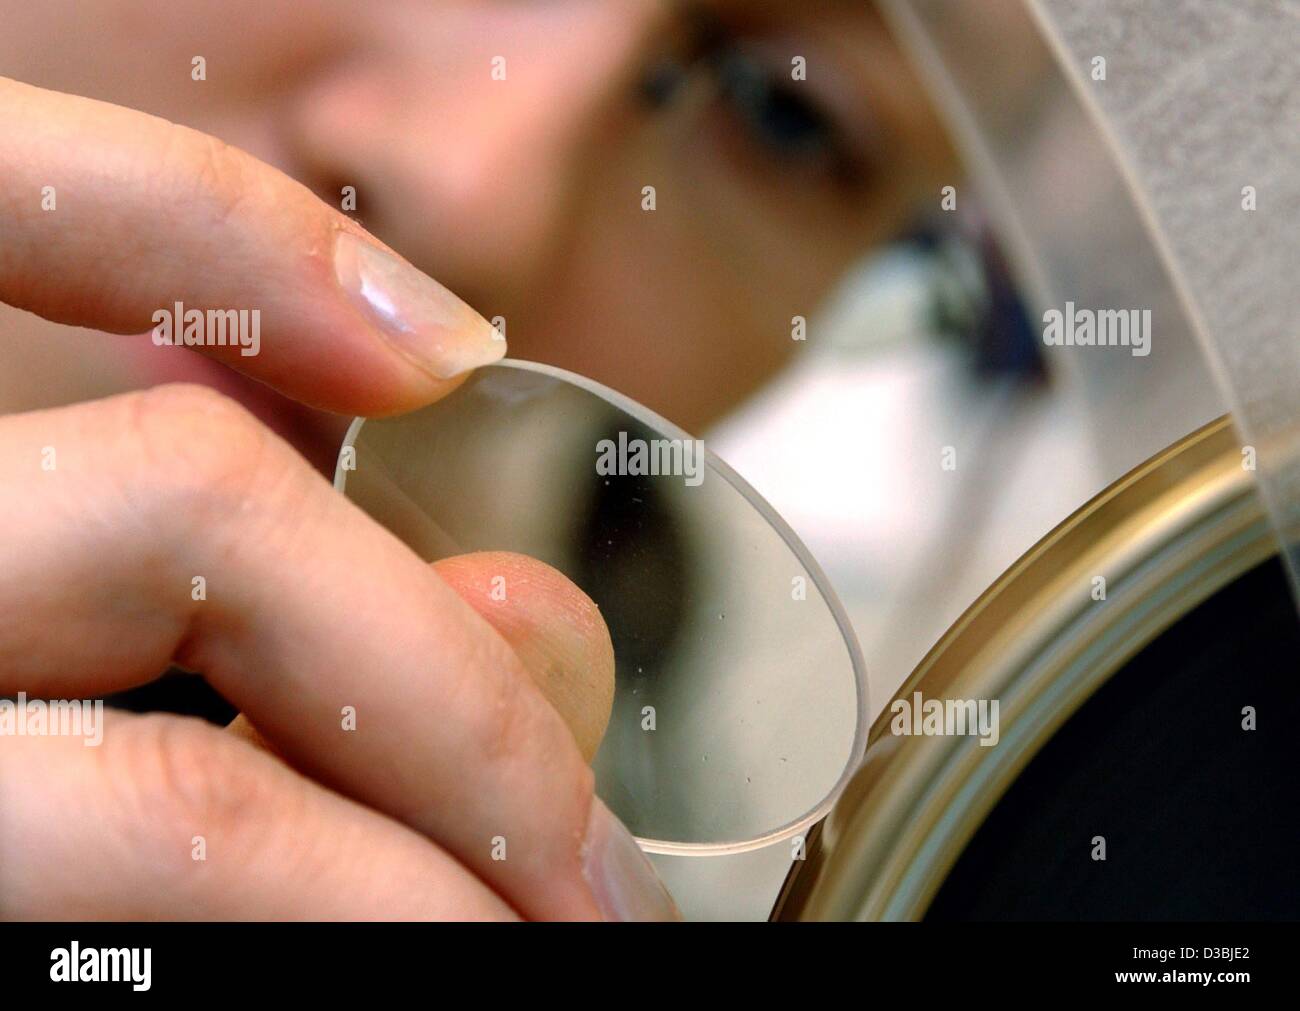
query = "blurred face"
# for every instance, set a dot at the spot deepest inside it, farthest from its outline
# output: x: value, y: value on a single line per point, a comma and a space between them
x: 506, y: 147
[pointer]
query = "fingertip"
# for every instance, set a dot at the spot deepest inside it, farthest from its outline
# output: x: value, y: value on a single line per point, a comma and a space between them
x: 420, y: 318
x: 555, y: 629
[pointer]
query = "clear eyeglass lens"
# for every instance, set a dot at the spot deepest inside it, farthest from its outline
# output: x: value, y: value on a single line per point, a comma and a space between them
x: 740, y: 701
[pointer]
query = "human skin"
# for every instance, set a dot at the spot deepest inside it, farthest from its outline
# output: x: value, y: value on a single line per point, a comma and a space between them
x: 311, y: 611
x: 523, y: 197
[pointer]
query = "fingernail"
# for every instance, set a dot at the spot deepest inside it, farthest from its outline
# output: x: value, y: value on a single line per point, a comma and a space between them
x: 418, y: 315
x: 622, y: 879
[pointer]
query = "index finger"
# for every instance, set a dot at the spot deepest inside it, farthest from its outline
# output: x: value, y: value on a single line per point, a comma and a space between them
x: 120, y: 221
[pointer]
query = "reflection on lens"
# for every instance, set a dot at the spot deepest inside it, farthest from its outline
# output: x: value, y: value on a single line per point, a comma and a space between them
x: 740, y: 697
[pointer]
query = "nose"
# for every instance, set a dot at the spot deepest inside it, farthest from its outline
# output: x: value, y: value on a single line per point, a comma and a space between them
x: 468, y: 129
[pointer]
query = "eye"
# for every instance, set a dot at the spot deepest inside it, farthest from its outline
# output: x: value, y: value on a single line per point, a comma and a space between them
x: 779, y: 122
x: 777, y: 114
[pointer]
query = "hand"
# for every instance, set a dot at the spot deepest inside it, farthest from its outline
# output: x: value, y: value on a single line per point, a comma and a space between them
x: 114, y: 508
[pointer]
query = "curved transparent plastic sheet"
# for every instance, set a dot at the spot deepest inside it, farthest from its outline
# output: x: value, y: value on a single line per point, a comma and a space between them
x: 1131, y: 191
x: 1223, y: 203
x: 740, y: 701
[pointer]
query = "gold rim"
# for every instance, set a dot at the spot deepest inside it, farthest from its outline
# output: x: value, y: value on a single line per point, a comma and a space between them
x: 1165, y: 537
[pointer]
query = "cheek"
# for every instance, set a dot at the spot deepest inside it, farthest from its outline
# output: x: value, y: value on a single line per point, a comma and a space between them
x: 665, y: 324
x: 689, y: 307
